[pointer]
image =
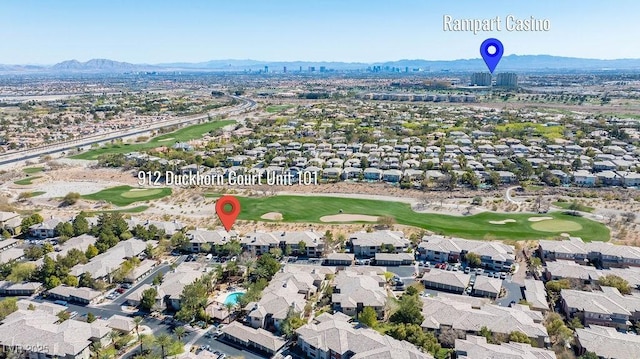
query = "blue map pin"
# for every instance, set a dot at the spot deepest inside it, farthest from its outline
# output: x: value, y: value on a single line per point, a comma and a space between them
x: 491, y: 51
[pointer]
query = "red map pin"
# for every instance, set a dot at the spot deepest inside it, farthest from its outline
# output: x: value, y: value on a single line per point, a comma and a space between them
x: 229, y: 214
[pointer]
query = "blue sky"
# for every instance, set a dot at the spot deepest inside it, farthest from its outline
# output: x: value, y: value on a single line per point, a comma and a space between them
x: 155, y: 31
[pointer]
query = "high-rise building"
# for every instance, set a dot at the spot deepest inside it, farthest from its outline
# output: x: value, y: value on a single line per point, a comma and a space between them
x: 507, y: 79
x: 266, y: 69
x: 481, y: 79
x: 284, y: 69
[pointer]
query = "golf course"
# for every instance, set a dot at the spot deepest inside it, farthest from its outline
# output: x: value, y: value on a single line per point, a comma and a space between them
x: 485, y: 225
x: 126, y: 195
x: 167, y: 139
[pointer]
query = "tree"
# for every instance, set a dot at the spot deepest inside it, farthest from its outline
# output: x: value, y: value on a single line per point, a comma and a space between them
x: 558, y: 331
x: 91, y: 317
x: 114, y: 336
x: 535, y: 263
x: 137, y: 321
x: 47, y: 248
x: 414, y: 334
x: 148, y: 300
x: 494, y: 179
x: 21, y: 272
x: 158, y: 279
x: 163, y: 340
x: 205, y: 247
x: 8, y: 306
x: 386, y: 221
x: 179, y: 332
x: 575, y: 323
x: 473, y: 260
x: 292, y: 322
x: 277, y: 252
x: 487, y: 334
x: 302, y: 247
x: 557, y: 285
x: 92, y: 251
x: 267, y: 266
x: 409, y: 310
x: 71, y: 280
x: 63, y: 315
x: 612, y: 280
x: 70, y: 198
x: 33, y: 252
x: 368, y: 317
x: 519, y: 337
x: 80, y: 225
x: 30, y: 221
x: 574, y: 207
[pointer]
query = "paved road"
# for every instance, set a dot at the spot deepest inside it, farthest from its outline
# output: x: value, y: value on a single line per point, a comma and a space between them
x: 14, y: 157
x: 508, y: 195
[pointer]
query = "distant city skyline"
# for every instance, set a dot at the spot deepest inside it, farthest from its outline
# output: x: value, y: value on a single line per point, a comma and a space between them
x: 152, y: 32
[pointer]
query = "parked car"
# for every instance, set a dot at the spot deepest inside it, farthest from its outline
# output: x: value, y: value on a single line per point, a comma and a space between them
x: 467, y: 270
x: 126, y: 286
x: 503, y: 275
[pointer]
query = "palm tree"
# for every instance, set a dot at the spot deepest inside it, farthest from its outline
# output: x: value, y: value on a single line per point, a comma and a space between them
x: 180, y: 332
x: 163, y: 340
x: 96, y: 347
x: 138, y: 321
x: 114, y: 335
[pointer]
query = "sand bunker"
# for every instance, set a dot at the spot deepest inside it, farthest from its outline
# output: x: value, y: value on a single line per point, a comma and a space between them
x: 349, y: 218
x: 272, y: 216
x: 166, y: 139
x: 504, y: 221
x: 538, y: 219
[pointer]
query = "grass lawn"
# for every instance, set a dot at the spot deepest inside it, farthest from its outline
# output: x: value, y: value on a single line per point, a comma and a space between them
x: 555, y: 225
x: 581, y: 207
x: 167, y: 139
x: 277, y: 108
x: 32, y: 170
x: 126, y: 195
x: 32, y: 194
x: 311, y: 208
x: 26, y: 181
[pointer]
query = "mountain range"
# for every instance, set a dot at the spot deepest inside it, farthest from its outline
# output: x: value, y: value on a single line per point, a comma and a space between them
x: 527, y: 63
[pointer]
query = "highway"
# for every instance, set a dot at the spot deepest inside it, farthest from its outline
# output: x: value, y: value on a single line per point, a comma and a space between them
x: 245, y: 105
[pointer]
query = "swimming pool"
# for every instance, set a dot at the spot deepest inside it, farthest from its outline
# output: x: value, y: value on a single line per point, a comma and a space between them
x: 233, y: 298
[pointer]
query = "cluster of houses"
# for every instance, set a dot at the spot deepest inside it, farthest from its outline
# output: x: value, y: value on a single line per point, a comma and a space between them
x: 608, y: 315
x: 605, y: 312
x: 36, y: 329
x: 419, y: 160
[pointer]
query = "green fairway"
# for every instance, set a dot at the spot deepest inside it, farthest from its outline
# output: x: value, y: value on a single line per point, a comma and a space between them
x: 167, y: 139
x: 32, y: 170
x: 277, y: 108
x: 556, y: 225
x: 26, y: 181
x: 32, y: 194
x: 142, y: 192
x: 311, y: 208
x: 566, y: 205
x: 125, y: 195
